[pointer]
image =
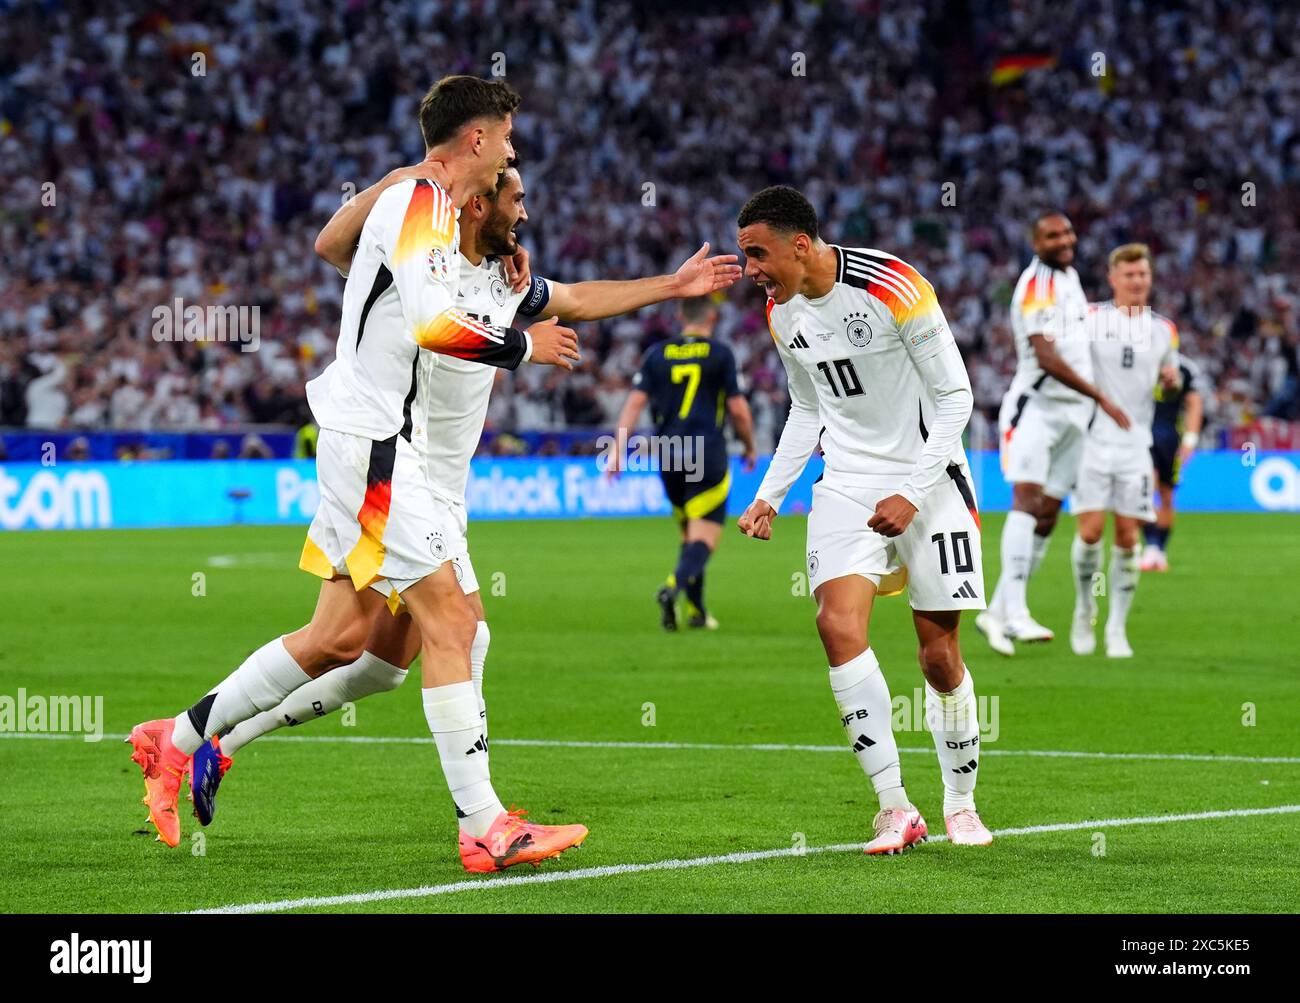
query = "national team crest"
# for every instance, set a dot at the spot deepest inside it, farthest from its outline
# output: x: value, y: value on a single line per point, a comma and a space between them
x: 858, y: 330
x: 813, y: 564
x: 498, y: 290
x: 437, y: 547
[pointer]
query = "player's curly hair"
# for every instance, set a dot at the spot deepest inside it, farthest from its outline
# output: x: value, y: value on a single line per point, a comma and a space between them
x: 782, y: 208
x: 454, y: 102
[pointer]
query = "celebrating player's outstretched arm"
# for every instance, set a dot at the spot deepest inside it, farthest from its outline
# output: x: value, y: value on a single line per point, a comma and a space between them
x: 699, y: 275
x: 337, y: 242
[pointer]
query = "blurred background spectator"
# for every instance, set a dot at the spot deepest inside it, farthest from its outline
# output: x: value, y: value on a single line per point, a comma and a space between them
x: 194, y: 149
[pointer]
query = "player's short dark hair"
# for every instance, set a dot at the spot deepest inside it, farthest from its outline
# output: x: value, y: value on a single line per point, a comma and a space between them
x: 454, y: 102
x: 782, y: 208
x: 696, y: 310
x: 1045, y: 214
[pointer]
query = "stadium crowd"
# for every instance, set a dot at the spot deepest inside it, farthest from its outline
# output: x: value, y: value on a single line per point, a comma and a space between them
x: 192, y: 150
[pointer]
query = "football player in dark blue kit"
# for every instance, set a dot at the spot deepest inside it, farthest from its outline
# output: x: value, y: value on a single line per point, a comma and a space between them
x: 1175, y: 431
x: 691, y: 386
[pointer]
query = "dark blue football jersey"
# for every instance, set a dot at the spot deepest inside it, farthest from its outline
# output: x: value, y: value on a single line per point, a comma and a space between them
x: 688, y: 381
x: 1169, y: 403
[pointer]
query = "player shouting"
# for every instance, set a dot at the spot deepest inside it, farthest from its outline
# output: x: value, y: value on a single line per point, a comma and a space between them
x: 458, y: 391
x: 876, y: 379
x: 378, y: 513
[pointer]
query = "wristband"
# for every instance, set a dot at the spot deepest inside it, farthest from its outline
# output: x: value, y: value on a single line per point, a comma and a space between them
x: 1190, y: 439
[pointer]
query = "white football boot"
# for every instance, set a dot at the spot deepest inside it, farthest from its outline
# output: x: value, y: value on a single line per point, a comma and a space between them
x: 990, y: 625
x: 1083, y: 637
x: 1117, y: 645
x: 1027, y: 629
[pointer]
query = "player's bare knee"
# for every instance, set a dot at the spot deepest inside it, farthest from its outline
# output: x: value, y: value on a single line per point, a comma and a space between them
x: 1027, y: 498
x: 455, y: 633
x: 343, y: 647
x: 839, y: 628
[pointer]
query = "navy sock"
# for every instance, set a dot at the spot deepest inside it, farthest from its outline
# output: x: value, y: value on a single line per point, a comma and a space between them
x: 690, y: 571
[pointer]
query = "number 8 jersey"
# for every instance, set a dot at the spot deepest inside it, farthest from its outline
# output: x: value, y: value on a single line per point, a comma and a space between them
x: 875, y: 377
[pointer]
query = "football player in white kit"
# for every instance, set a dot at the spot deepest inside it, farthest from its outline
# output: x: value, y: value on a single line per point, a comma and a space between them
x: 377, y: 514
x: 1133, y: 350
x: 1042, y: 423
x: 457, y: 392
x: 875, y: 379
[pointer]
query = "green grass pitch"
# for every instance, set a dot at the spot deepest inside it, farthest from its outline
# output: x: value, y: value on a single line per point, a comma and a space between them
x: 577, y: 656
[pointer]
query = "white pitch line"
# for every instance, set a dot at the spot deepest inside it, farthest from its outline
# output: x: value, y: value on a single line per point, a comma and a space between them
x: 618, y: 870
x: 548, y: 743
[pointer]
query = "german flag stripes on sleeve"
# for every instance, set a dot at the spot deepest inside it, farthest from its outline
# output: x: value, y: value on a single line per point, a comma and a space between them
x: 425, y: 262
x: 1038, y: 305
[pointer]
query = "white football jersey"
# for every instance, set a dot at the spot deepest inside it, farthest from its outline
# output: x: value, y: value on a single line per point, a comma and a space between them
x: 852, y: 360
x: 1129, y: 349
x: 457, y: 390
x: 400, y: 298
x: 1051, y: 302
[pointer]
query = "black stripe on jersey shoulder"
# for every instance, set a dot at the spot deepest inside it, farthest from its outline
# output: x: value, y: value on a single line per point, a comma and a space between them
x: 383, y: 279
x: 839, y: 262
x: 863, y: 267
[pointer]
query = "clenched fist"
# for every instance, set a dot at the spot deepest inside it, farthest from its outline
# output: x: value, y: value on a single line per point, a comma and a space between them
x: 757, y: 520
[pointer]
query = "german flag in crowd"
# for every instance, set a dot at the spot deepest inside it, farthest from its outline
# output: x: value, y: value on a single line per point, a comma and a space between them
x: 1009, y: 69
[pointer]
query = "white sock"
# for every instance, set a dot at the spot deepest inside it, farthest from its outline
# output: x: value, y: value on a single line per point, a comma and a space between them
x: 862, y: 696
x: 1086, y: 559
x: 1017, y: 555
x: 453, y: 716
x: 477, y: 656
x: 1123, y: 583
x: 954, y: 724
x: 267, y: 676
x: 1040, y: 550
x: 325, y: 694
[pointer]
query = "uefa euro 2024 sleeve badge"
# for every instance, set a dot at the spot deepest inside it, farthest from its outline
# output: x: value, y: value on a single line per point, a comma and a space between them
x: 858, y: 330
x: 439, y: 264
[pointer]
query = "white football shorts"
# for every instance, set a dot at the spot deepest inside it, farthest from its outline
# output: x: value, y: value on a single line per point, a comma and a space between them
x: 1115, y: 477
x: 1040, y: 443
x: 379, y: 520
x: 939, y: 552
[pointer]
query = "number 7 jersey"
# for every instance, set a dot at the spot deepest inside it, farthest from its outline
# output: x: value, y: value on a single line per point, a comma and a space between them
x: 866, y: 365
